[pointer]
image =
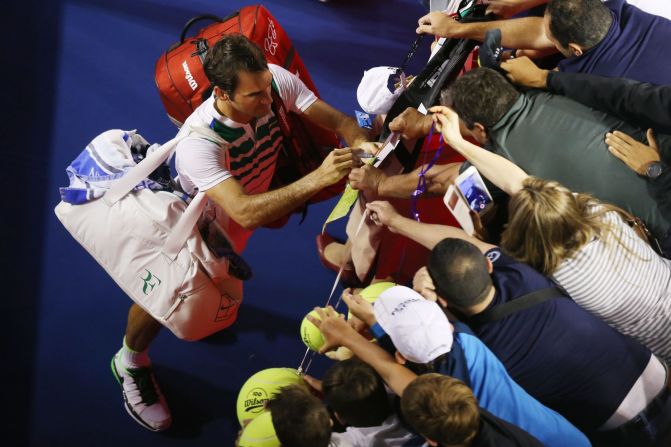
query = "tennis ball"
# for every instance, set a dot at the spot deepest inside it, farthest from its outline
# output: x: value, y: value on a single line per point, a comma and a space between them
x: 372, y: 292
x: 310, y: 334
x: 263, y: 386
x: 259, y: 433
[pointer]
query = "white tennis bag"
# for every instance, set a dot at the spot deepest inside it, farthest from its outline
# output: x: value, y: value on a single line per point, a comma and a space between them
x: 148, y: 242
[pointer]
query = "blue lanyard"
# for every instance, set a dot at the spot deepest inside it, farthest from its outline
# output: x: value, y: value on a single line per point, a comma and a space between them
x: 421, y: 177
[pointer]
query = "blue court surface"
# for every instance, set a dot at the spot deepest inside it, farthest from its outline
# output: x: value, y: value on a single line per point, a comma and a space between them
x: 79, y: 68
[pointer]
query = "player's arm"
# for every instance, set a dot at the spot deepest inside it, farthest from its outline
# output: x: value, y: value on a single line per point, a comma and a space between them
x: 325, y: 116
x: 253, y: 210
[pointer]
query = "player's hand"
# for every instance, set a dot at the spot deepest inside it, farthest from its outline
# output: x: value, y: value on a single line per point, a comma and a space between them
x: 411, y: 124
x: 382, y: 213
x: 633, y: 153
x: 447, y: 122
x: 423, y: 284
x: 439, y: 24
x: 335, y: 166
x: 359, y: 307
x: 523, y: 71
x: 366, y: 178
x: 333, y: 327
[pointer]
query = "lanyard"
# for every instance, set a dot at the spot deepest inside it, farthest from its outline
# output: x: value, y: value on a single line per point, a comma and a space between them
x: 421, y: 177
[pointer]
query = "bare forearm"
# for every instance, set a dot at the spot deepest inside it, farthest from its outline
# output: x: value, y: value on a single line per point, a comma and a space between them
x: 396, y: 376
x: 350, y: 131
x: 254, y: 210
x: 499, y: 170
x: 398, y: 186
x: 427, y: 235
x: 524, y: 33
x: 327, y: 117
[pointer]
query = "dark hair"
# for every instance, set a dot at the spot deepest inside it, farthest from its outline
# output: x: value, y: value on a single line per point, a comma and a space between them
x: 583, y: 22
x: 480, y: 96
x: 356, y: 392
x: 459, y: 271
x: 442, y: 409
x: 230, y: 55
x: 299, y: 418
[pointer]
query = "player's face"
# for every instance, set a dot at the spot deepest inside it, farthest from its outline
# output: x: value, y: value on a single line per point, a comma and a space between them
x: 252, y: 96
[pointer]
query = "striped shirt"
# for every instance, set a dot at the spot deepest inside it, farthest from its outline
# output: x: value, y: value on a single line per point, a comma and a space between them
x: 250, y: 151
x: 624, y: 283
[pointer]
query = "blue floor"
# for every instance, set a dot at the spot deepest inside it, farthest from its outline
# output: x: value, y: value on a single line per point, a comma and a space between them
x: 88, y: 66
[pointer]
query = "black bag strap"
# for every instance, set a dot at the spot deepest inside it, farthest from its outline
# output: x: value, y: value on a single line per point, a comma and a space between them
x: 514, y: 306
x: 200, y: 18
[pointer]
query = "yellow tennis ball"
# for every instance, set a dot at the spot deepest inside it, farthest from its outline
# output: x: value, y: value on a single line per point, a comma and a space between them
x: 259, y: 433
x: 372, y: 292
x: 263, y: 386
x: 310, y: 334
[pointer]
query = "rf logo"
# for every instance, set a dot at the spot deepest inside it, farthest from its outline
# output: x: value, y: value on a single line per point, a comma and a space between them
x: 270, y: 42
x: 150, y: 282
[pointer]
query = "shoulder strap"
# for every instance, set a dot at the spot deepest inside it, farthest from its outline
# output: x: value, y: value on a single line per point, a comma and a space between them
x: 182, y: 229
x: 143, y: 169
x: 514, y: 306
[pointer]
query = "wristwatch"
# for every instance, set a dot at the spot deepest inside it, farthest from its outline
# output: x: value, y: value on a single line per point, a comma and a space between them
x: 654, y: 169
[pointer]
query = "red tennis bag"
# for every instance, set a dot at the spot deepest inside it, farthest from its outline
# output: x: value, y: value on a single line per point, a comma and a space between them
x: 183, y: 86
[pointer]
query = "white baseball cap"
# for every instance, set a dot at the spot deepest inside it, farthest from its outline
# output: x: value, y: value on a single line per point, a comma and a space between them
x: 376, y: 92
x: 418, y: 328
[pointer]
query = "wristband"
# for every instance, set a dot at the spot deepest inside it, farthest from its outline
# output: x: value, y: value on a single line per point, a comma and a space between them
x: 377, y: 331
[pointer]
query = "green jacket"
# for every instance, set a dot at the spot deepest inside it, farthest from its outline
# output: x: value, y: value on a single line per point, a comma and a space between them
x: 556, y: 138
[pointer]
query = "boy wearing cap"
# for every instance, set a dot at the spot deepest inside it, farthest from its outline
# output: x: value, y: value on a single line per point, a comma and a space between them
x: 425, y: 339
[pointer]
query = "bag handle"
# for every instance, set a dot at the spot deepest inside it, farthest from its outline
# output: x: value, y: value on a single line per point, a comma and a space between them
x: 182, y: 230
x: 142, y: 170
x: 200, y: 18
x: 125, y: 185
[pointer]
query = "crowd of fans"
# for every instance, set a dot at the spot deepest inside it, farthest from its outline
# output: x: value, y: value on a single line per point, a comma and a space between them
x: 552, y: 327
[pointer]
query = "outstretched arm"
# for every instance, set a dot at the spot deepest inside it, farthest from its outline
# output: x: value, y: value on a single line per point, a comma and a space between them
x: 328, y: 117
x: 509, y: 8
x: 371, y: 179
x: 524, y: 33
x: 499, y: 170
x: 337, y: 332
x: 638, y: 103
x: 428, y: 235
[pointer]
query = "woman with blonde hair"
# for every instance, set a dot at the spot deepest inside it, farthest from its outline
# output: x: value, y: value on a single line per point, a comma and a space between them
x: 587, y: 247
